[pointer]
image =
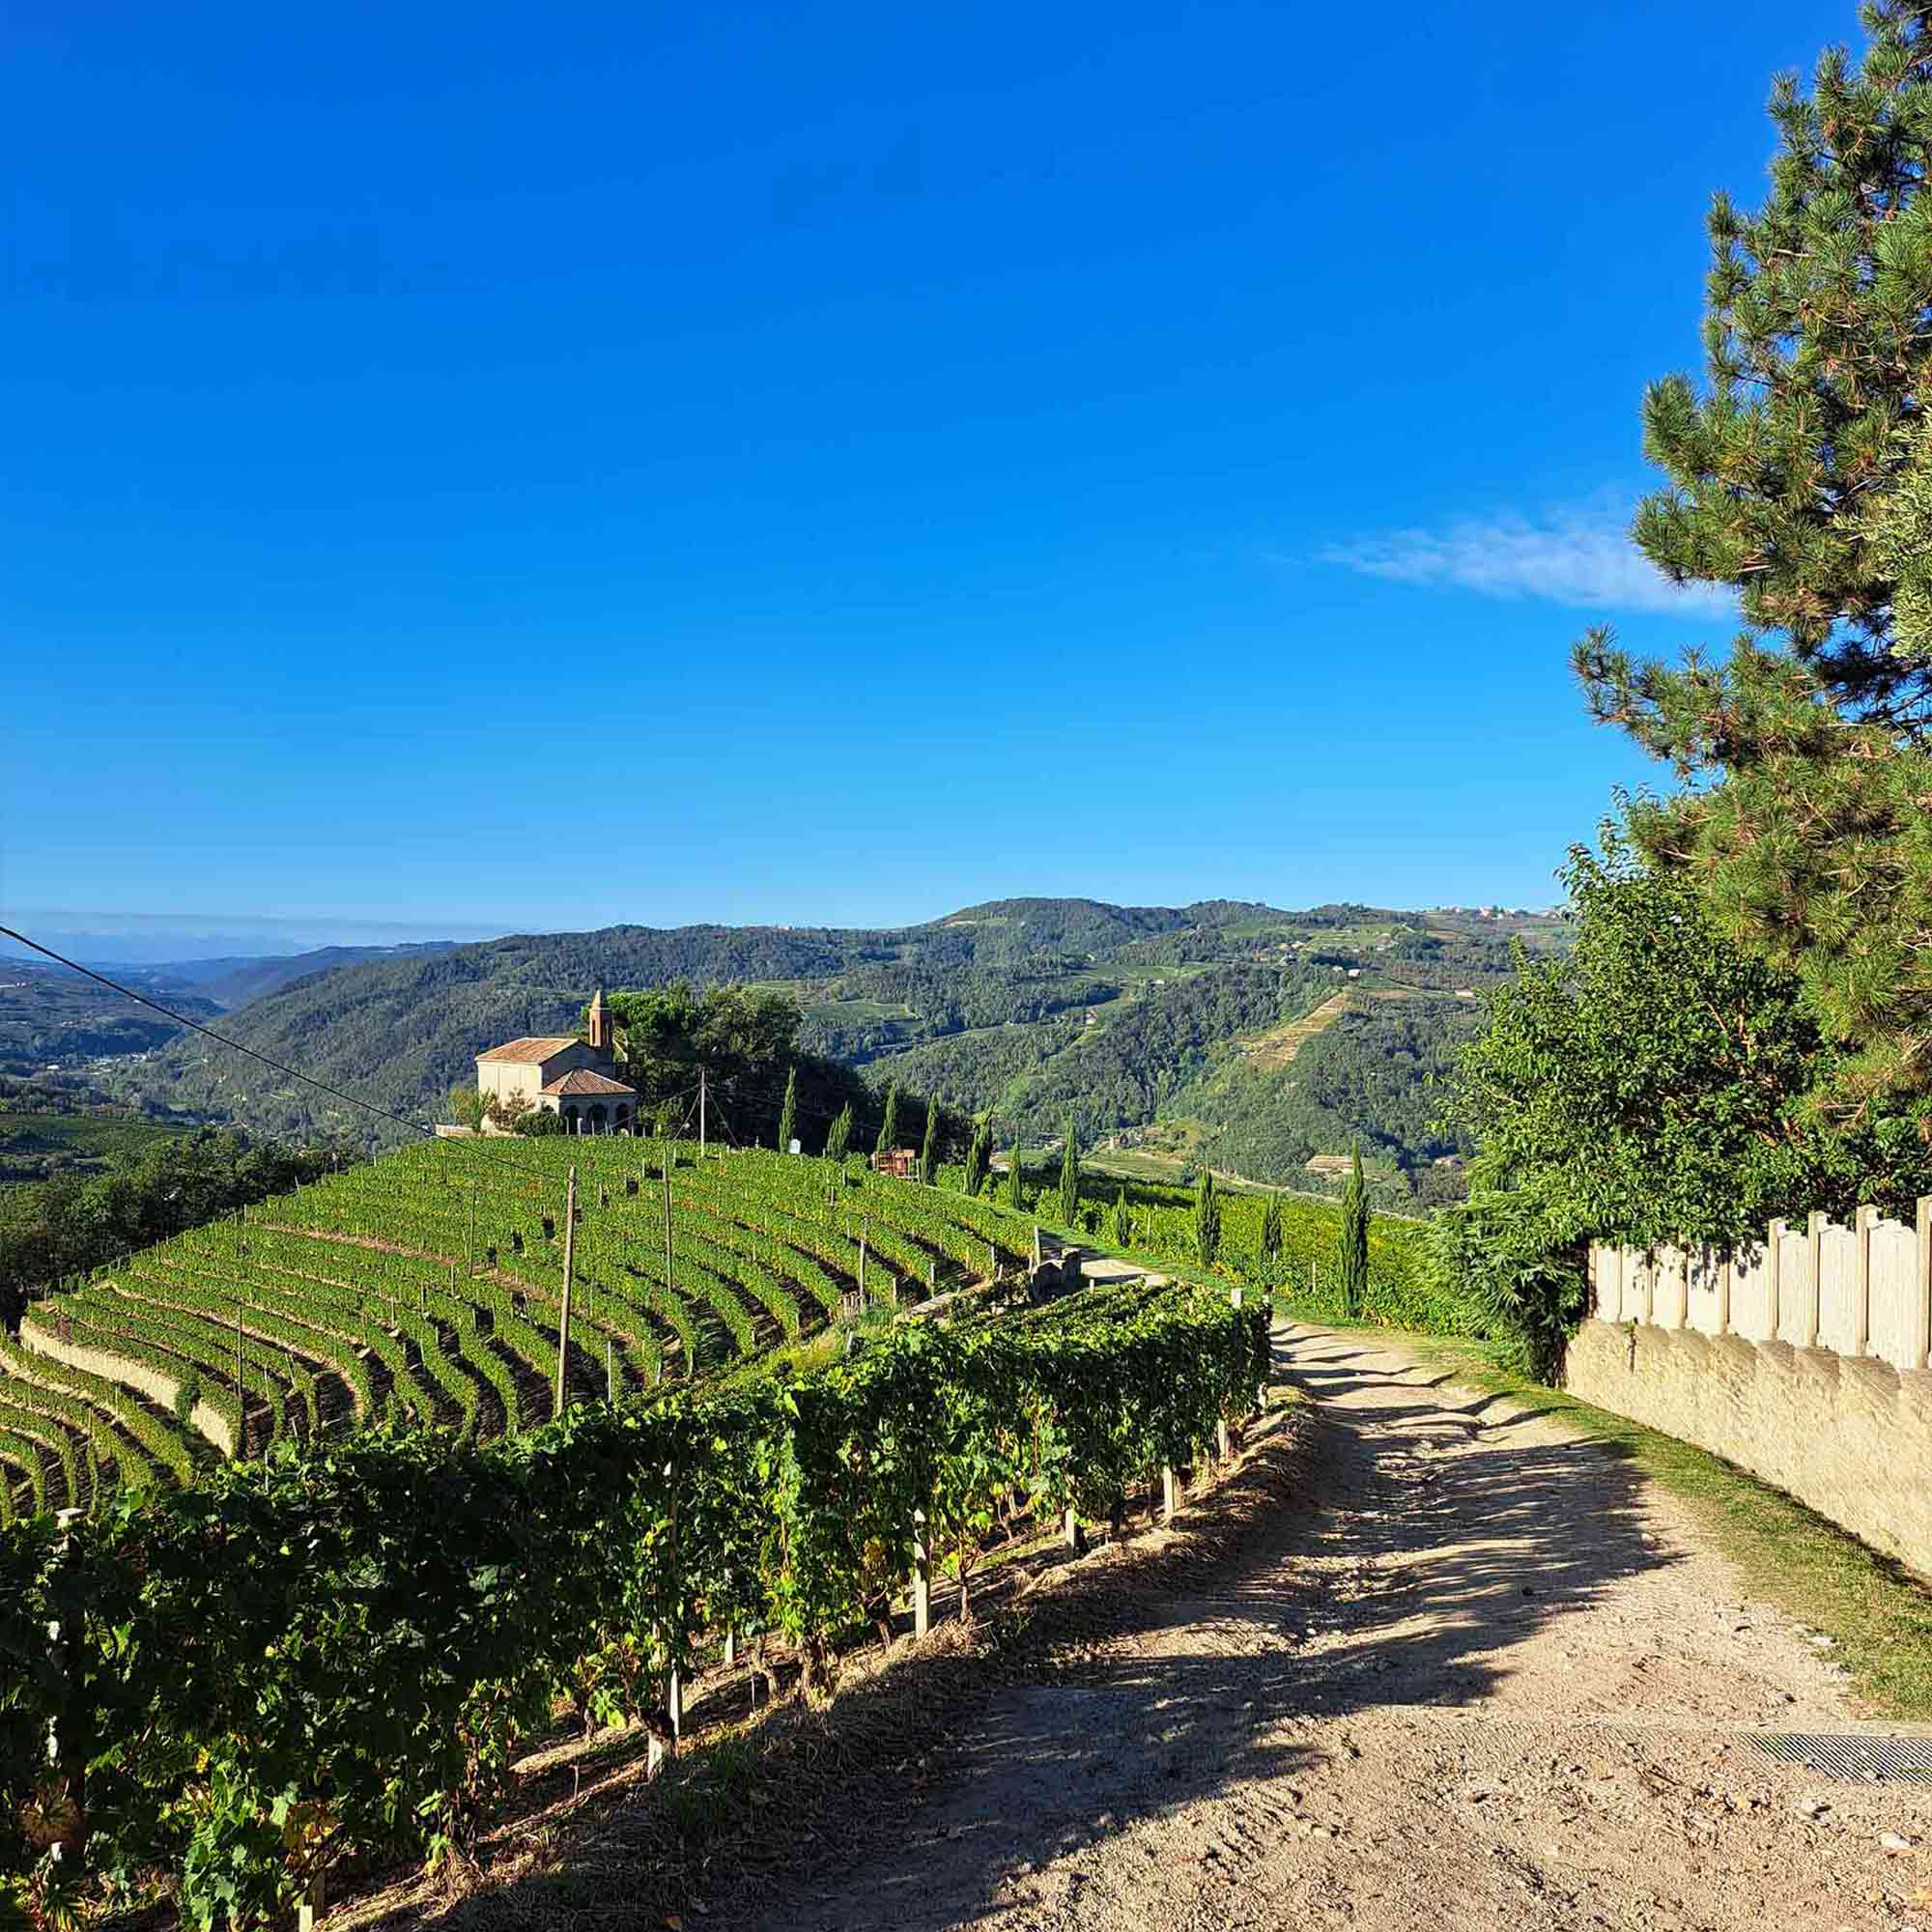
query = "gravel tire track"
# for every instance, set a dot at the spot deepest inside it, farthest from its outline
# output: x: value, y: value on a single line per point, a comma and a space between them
x: 1486, y: 1676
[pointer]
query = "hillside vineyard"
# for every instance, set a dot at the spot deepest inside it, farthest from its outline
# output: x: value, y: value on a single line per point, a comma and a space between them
x: 426, y: 1291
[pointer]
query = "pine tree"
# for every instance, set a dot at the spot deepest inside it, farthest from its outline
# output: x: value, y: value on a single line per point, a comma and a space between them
x: 978, y: 1150
x: 928, y: 1152
x: 840, y: 1136
x: 1355, y: 1238
x: 889, y: 1127
x: 1015, y: 1177
x: 788, y: 1113
x: 1795, y: 479
x: 1271, y: 1230
x: 1124, y: 1219
x: 1207, y: 1219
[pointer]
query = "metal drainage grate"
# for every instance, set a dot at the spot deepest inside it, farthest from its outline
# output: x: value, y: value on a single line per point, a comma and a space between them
x: 1897, y: 1760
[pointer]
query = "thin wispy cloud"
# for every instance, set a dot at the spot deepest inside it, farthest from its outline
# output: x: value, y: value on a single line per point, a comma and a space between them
x: 1581, y: 557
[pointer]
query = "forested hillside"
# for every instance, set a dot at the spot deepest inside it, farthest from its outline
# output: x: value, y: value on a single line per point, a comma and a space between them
x: 1023, y: 1007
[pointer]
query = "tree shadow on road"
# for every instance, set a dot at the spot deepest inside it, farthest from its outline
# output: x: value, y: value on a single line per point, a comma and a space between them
x: 1391, y: 1554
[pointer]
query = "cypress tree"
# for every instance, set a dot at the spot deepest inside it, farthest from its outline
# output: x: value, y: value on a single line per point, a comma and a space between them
x: 928, y: 1152
x: 1070, y: 1174
x: 889, y: 1127
x: 1355, y: 1238
x: 1123, y: 1220
x: 1207, y: 1219
x: 1015, y: 1197
x: 976, y: 1156
x: 1271, y: 1230
x: 840, y: 1136
x: 788, y: 1113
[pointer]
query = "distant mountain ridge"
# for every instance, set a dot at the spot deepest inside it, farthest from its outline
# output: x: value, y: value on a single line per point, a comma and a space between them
x: 1026, y: 1006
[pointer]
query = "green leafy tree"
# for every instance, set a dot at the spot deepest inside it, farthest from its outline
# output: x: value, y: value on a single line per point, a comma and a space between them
x: 788, y: 1113
x: 467, y: 1106
x: 840, y: 1138
x: 1796, y: 479
x: 1271, y: 1230
x: 1207, y: 1219
x: 1355, y: 1237
x: 889, y: 1127
x: 979, y: 1152
x: 1070, y: 1174
x: 1651, y: 1085
x: 929, y: 1150
x: 1520, y: 1284
x: 1016, y: 1179
x: 1123, y: 1218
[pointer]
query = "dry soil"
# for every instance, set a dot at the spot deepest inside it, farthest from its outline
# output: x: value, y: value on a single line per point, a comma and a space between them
x: 1483, y: 1675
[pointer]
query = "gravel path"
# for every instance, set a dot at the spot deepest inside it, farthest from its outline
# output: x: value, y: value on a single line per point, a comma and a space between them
x: 1486, y: 1676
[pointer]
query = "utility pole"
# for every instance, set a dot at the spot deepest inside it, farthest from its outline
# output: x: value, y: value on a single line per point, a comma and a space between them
x: 568, y: 1261
x: 700, y: 1109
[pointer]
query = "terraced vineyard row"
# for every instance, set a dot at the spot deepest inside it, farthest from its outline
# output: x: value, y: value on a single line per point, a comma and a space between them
x: 427, y: 1290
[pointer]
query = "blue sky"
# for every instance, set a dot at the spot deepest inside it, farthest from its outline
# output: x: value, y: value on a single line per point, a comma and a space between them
x: 474, y: 468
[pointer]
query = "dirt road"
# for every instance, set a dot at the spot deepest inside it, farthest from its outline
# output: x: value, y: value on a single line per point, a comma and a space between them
x: 1486, y: 1676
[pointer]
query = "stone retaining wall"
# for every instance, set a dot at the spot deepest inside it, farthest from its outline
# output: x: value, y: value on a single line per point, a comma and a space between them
x: 1804, y: 1361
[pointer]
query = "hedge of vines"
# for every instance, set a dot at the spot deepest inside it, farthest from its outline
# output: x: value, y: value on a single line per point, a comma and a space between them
x: 340, y: 1647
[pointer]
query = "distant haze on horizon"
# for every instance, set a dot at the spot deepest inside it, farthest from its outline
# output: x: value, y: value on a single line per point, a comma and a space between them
x: 159, y: 938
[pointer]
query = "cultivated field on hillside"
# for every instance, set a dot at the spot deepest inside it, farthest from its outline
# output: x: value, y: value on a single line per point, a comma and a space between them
x: 426, y: 1290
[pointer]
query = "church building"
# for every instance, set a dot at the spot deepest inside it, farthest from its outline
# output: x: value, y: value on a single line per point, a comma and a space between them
x: 571, y: 1077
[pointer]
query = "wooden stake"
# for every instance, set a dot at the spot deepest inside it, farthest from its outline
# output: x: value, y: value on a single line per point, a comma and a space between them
x: 308, y: 1914
x: 569, y: 1264
x: 921, y: 1576
x: 668, y: 1290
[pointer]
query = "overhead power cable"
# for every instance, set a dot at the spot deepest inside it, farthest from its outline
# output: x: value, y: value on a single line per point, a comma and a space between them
x: 415, y: 1129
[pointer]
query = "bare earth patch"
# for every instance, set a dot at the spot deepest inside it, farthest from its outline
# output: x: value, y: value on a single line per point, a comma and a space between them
x: 1494, y: 1679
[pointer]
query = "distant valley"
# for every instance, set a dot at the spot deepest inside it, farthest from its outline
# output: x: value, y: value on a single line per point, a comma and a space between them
x: 1231, y: 1034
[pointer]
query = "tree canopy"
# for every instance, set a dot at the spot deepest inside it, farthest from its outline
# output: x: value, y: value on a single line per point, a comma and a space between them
x: 1797, y: 477
x: 1651, y: 1086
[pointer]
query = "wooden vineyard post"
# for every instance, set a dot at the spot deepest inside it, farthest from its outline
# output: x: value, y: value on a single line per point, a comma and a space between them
x: 864, y: 1234
x: 921, y: 1576
x: 667, y: 1232
x: 1069, y: 1528
x: 241, y: 1395
x: 563, y: 1315
x: 1168, y: 1489
x: 965, y: 1597
x: 68, y: 1742
x: 308, y: 1912
x: 609, y: 1373
x: 673, y: 1710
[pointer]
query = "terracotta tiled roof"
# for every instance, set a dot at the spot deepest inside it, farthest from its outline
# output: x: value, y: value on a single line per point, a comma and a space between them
x: 584, y: 1081
x: 530, y: 1052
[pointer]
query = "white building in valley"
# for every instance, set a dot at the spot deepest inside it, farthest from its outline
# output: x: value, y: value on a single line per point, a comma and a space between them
x: 567, y: 1076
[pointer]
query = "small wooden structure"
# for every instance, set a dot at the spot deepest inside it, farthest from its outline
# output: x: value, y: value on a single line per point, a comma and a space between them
x: 901, y: 1161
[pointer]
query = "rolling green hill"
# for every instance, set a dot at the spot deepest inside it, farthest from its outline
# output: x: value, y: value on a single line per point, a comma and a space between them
x: 1223, y: 1019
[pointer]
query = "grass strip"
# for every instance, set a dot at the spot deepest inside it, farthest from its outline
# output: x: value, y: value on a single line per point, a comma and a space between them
x: 1877, y: 1615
